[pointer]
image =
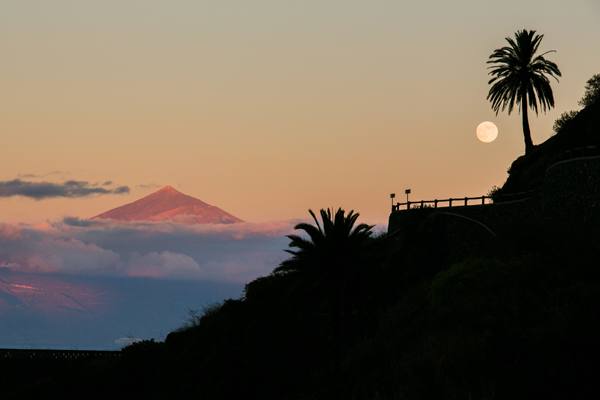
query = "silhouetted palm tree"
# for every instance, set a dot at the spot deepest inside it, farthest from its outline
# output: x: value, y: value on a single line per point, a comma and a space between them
x: 334, y: 243
x: 521, y: 77
x: 332, y: 249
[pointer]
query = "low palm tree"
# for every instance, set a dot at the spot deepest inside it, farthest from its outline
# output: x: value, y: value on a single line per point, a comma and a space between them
x: 330, y: 245
x: 330, y: 249
x: 521, y: 77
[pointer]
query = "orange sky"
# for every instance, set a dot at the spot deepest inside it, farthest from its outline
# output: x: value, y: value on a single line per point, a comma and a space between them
x: 267, y: 108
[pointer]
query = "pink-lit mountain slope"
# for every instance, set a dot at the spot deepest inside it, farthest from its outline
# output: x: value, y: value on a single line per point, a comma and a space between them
x: 168, y: 204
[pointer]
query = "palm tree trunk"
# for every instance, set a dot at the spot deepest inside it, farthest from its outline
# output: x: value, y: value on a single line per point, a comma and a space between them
x: 526, y: 130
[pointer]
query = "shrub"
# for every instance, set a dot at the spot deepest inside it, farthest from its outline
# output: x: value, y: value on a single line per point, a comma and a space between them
x: 564, y: 120
x: 592, y: 91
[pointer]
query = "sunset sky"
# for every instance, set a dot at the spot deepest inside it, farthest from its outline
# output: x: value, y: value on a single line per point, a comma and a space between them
x: 267, y: 107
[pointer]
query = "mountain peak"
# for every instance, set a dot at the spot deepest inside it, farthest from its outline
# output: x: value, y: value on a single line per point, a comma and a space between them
x: 168, y: 189
x: 169, y: 204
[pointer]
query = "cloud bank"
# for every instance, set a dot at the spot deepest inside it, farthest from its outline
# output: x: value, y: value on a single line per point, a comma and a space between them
x: 46, y: 190
x: 221, y: 253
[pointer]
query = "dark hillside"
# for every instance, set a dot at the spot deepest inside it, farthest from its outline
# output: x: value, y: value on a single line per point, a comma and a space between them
x: 579, y: 137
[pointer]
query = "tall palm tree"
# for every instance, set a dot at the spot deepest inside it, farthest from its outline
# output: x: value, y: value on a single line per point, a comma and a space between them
x: 331, y: 245
x: 521, y: 77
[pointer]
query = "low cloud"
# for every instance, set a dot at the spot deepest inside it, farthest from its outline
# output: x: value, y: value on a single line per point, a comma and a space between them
x: 233, y: 253
x: 47, y: 190
x: 47, y: 251
x: 165, y: 263
x: 74, y: 221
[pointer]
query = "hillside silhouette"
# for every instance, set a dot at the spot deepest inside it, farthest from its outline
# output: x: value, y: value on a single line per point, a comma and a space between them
x: 579, y: 137
x: 352, y: 315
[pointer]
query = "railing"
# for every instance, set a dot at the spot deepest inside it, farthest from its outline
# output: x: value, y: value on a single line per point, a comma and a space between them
x: 451, y: 202
x: 63, y: 355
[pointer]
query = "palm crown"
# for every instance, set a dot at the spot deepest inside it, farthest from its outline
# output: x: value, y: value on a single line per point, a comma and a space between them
x: 329, y: 245
x: 521, y: 77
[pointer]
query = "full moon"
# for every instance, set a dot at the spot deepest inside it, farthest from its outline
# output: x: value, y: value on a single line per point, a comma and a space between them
x: 487, y: 132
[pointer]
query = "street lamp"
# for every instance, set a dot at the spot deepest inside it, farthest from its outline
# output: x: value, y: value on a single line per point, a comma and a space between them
x: 392, y: 197
x: 407, y: 192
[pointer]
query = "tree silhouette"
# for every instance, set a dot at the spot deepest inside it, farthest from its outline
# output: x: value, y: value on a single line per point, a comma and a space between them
x: 592, y: 91
x: 332, y: 250
x: 336, y: 242
x: 520, y: 77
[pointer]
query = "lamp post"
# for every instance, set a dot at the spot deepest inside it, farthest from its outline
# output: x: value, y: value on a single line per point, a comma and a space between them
x: 407, y: 192
x: 392, y: 197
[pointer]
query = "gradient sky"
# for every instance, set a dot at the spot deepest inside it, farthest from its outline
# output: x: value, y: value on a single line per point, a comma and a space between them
x: 268, y: 107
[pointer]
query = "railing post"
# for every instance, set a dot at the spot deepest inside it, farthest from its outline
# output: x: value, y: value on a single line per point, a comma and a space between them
x: 466, y: 201
x: 435, y: 203
x: 422, y: 203
x: 449, y: 202
x: 482, y: 199
x: 408, y: 205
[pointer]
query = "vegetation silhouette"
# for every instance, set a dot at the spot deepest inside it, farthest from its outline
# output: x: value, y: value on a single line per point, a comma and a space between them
x: 564, y: 119
x: 592, y: 92
x: 333, y: 245
x: 520, y: 77
x: 590, y: 97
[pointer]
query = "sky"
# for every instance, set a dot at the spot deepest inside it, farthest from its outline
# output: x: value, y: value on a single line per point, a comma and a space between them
x: 268, y: 108
x: 264, y: 108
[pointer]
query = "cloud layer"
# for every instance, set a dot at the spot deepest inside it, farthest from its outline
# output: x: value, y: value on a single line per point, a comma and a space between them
x: 46, y: 190
x: 224, y: 253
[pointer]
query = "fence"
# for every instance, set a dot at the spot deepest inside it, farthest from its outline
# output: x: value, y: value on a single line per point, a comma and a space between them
x: 451, y: 202
x: 465, y: 201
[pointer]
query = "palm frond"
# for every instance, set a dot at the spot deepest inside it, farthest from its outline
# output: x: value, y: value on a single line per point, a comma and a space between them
x: 314, y: 217
x: 315, y: 234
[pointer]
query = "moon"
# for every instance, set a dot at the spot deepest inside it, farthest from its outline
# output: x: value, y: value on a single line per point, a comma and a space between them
x: 487, y: 132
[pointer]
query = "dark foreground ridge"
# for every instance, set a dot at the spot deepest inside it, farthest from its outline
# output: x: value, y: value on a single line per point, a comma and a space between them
x: 439, y: 309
